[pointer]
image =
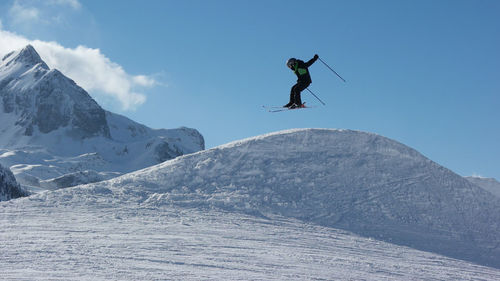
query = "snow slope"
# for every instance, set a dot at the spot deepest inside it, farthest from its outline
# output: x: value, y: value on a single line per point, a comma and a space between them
x: 97, y: 239
x: 354, y: 181
x: 52, y: 129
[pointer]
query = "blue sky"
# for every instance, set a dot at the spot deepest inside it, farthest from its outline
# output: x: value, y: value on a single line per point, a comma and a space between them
x: 425, y: 73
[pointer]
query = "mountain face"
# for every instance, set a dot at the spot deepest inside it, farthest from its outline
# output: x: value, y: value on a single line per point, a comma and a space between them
x: 356, y: 181
x: 9, y: 188
x: 53, y: 134
x: 46, y: 100
x: 489, y: 184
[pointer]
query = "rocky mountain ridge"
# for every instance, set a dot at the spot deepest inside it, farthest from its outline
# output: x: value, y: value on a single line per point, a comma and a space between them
x: 52, y: 129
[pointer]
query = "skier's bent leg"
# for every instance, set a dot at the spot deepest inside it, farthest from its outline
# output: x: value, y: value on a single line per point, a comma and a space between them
x: 292, y: 96
x: 298, y: 88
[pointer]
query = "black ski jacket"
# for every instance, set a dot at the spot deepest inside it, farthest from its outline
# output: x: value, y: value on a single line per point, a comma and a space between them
x: 301, y: 70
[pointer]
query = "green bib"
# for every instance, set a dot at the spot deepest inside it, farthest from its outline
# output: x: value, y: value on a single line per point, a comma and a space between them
x: 300, y: 71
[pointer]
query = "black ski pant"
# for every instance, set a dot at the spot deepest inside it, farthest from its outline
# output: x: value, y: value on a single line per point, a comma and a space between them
x: 295, y: 92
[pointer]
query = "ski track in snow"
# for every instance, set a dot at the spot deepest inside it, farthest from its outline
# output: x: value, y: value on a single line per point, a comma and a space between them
x: 105, y: 242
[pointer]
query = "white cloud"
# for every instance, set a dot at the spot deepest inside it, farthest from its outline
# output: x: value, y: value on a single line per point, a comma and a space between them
x: 10, y: 42
x: 144, y: 80
x: 88, y: 67
x: 476, y: 175
x: 31, y: 14
x: 22, y: 13
x: 75, y: 4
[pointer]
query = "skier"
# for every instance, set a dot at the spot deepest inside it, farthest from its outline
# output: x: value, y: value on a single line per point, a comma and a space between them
x: 300, y: 68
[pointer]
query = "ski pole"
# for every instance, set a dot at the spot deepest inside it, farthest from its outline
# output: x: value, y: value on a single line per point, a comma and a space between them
x: 315, y: 96
x: 332, y: 69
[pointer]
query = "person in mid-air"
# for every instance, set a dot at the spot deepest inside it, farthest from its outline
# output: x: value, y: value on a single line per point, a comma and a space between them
x: 300, y: 68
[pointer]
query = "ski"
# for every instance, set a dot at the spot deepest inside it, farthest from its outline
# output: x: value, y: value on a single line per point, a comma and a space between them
x: 272, y: 106
x: 273, y: 109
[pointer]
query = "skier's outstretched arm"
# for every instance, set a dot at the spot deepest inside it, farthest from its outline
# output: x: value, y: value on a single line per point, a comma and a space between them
x: 311, y: 61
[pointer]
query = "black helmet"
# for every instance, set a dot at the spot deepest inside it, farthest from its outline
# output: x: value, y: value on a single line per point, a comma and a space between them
x: 291, y: 62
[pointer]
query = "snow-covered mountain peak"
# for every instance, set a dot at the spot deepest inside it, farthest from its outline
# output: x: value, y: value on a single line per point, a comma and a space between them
x: 26, y: 57
x: 45, y: 100
x: 47, y: 114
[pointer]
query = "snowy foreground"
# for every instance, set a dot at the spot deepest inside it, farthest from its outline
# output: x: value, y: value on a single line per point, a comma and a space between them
x: 107, y: 242
x: 301, y: 204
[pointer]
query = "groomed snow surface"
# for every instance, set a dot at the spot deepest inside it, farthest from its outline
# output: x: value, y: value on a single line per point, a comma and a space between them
x: 103, y: 241
x: 295, y: 205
